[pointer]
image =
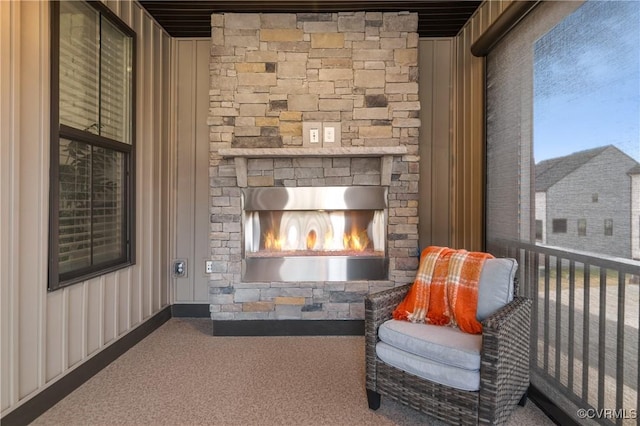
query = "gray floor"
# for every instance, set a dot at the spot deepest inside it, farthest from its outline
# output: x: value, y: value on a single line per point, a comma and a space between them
x: 181, y: 374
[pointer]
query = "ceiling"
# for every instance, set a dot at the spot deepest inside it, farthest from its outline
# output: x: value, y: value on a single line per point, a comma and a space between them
x: 192, y: 18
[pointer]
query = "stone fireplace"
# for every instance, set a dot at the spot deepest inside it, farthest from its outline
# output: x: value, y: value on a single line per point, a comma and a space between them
x: 355, y: 230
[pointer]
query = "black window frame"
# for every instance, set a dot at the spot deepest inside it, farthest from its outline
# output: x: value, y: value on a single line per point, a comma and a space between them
x: 61, y: 132
x: 559, y: 226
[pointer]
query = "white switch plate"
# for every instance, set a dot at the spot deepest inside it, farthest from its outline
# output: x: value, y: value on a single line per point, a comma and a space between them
x: 312, y: 134
x: 329, y: 134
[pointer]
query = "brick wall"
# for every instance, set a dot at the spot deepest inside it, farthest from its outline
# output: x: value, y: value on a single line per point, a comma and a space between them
x: 269, y: 74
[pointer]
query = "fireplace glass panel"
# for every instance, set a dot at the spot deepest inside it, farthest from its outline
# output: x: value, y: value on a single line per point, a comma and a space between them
x: 315, y: 233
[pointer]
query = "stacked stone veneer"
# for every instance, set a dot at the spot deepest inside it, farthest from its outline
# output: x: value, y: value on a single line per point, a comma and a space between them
x: 269, y: 74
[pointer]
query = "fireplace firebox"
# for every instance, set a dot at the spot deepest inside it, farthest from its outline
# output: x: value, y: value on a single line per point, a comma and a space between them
x: 314, y: 233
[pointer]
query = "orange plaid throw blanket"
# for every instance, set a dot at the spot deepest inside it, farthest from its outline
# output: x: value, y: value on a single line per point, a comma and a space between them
x: 445, y: 290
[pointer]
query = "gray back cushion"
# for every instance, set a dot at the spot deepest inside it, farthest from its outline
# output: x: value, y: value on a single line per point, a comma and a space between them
x: 495, y: 288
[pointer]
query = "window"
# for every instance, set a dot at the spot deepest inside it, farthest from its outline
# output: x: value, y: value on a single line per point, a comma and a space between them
x: 559, y: 226
x: 582, y: 227
x: 539, y: 230
x: 594, y: 197
x: 92, y: 143
x: 608, y: 227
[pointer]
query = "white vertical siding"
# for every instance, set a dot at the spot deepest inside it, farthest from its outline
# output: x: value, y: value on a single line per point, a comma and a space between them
x: 8, y: 133
x: 167, y: 201
x: 635, y: 216
x: 146, y: 144
x: 137, y: 275
x: 32, y: 187
x: 110, y: 309
x: 541, y: 213
x: 95, y: 315
x: 45, y: 335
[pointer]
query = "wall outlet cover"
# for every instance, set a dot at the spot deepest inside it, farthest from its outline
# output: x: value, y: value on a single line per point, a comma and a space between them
x: 312, y: 134
x: 332, y: 134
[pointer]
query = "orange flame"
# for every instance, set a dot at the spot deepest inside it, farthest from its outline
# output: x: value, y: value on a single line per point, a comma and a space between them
x: 271, y: 242
x: 356, y: 240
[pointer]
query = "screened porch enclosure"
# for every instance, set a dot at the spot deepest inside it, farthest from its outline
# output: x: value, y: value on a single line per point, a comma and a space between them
x: 564, y: 199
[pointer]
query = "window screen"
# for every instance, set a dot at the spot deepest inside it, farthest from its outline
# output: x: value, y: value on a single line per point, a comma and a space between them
x: 563, y: 126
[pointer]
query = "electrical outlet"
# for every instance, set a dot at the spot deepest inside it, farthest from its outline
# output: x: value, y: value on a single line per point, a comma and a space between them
x: 180, y: 268
x: 208, y: 267
x: 314, y: 136
x: 329, y: 134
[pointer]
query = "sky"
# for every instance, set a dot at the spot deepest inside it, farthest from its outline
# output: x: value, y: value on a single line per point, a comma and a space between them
x: 587, y: 81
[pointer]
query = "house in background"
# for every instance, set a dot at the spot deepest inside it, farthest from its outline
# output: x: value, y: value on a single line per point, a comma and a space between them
x: 635, y: 212
x: 586, y: 201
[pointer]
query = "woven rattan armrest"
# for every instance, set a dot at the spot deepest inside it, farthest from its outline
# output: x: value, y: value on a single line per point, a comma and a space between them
x: 378, y: 308
x: 504, y: 368
x: 383, y: 303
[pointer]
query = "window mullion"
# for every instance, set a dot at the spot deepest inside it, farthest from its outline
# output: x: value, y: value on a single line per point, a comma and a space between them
x: 91, y: 203
x: 100, y: 74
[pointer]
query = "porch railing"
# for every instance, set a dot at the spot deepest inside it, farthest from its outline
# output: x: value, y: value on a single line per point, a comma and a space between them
x: 585, y: 333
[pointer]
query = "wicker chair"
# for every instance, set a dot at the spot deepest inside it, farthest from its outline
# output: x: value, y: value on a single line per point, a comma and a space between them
x: 504, y: 367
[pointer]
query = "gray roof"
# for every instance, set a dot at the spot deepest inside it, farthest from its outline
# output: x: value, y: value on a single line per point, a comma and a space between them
x: 549, y: 172
x: 635, y: 170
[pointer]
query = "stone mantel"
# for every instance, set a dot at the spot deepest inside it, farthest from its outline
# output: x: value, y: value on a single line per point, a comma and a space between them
x: 386, y: 153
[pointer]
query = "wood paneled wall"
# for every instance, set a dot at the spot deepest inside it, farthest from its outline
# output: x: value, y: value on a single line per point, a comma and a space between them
x: 452, y: 163
x: 44, y: 335
x: 436, y: 89
x: 467, y: 149
x: 191, y: 69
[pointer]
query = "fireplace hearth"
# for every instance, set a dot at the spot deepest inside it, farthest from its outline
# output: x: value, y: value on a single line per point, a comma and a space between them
x: 314, y: 234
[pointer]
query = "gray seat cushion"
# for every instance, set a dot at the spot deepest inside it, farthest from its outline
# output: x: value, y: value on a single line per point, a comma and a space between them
x: 444, y: 345
x: 447, y: 375
x: 443, y: 355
